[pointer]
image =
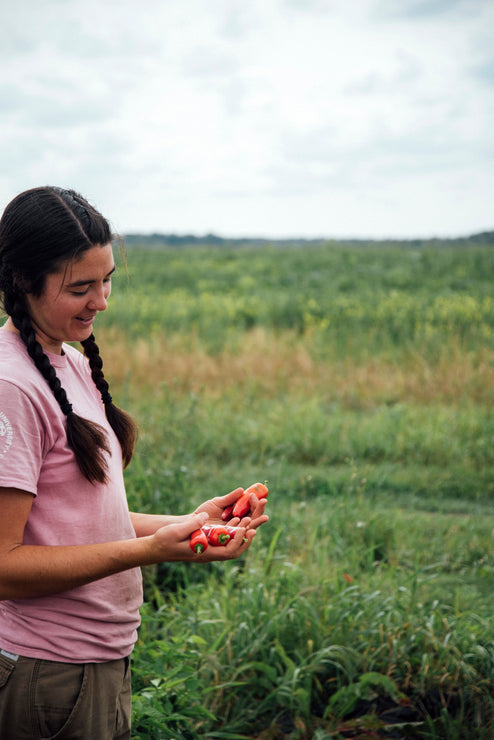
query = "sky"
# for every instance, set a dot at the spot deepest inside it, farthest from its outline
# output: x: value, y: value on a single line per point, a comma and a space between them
x: 255, y: 118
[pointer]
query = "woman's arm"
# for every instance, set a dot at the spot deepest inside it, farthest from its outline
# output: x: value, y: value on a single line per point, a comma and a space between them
x: 31, y: 570
x: 147, y: 524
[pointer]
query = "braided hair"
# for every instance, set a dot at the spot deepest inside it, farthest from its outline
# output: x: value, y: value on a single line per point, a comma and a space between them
x: 40, y: 229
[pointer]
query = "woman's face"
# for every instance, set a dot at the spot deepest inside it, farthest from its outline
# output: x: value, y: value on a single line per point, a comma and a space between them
x: 72, y: 296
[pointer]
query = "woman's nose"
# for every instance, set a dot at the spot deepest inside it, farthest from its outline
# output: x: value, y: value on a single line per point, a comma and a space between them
x: 99, y: 299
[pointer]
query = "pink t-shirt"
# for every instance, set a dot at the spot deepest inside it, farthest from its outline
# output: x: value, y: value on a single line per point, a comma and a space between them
x: 91, y: 623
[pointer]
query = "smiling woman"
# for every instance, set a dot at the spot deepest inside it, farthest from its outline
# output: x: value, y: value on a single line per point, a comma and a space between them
x: 72, y: 297
x: 55, y: 265
x: 70, y: 550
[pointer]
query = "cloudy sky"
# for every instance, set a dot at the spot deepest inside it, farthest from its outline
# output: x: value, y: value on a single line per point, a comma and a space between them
x: 333, y: 118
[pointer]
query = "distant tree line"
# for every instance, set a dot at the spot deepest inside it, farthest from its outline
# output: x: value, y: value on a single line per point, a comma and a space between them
x: 156, y: 241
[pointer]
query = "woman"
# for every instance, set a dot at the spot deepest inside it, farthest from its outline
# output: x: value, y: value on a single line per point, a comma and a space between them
x: 70, y: 551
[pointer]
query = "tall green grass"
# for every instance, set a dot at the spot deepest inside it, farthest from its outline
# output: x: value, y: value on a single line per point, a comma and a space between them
x: 359, y: 382
x: 358, y: 300
x: 337, y: 608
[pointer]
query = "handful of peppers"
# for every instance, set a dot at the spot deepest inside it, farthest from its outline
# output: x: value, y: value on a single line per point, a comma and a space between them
x: 241, y: 507
x: 220, y: 534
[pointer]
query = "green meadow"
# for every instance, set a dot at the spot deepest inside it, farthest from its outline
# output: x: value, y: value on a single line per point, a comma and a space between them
x: 358, y: 381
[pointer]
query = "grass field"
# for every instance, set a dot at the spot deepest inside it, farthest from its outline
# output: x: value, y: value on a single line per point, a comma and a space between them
x: 359, y: 382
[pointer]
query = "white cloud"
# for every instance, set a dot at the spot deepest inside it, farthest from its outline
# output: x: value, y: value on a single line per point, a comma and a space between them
x: 274, y: 117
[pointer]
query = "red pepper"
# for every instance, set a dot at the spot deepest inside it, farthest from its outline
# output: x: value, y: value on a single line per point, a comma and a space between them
x: 259, y: 489
x: 227, y: 513
x: 198, y: 541
x: 218, y: 534
x: 242, y: 505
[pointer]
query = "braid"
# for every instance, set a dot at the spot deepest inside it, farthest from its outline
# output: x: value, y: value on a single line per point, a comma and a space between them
x: 86, y: 439
x: 91, y: 350
x: 122, y: 423
x: 22, y: 322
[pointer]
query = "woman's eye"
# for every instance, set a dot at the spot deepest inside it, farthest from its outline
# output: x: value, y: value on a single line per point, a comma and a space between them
x: 80, y: 292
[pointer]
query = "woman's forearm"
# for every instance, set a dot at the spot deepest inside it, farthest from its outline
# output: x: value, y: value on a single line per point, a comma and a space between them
x: 31, y: 570
x: 39, y: 570
x: 147, y: 524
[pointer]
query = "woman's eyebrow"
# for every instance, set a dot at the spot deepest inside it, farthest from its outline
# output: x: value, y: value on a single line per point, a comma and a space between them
x: 78, y: 283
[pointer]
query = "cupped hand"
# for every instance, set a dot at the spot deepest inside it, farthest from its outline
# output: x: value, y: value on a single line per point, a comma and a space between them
x: 256, y: 516
x: 171, y: 543
x: 215, y: 506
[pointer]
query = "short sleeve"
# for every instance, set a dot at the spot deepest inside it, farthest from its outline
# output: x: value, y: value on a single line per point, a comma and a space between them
x: 21, y: 439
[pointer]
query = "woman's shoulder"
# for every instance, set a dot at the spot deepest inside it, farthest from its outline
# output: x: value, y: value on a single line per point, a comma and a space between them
x: 14, y: 358
x: 19, y: 377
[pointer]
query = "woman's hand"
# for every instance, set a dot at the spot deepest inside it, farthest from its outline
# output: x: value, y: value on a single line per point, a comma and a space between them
x: 171, y: 542
x: 215, y: 506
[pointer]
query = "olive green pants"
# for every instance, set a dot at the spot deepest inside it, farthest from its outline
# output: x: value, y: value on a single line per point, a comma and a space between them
x: 46, y: 700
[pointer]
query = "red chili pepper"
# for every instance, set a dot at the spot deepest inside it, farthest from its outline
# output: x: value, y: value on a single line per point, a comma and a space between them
x: 242, y: 505
x: 198, y: 541
x: 218, y: 534
x: 227, y: 513
x: 259, y: 489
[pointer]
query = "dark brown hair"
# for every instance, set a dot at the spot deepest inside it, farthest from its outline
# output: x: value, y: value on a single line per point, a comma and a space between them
x: 40, y: 229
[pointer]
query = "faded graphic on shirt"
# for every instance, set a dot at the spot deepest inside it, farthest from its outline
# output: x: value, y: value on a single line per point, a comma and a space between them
x: 6, y: 434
